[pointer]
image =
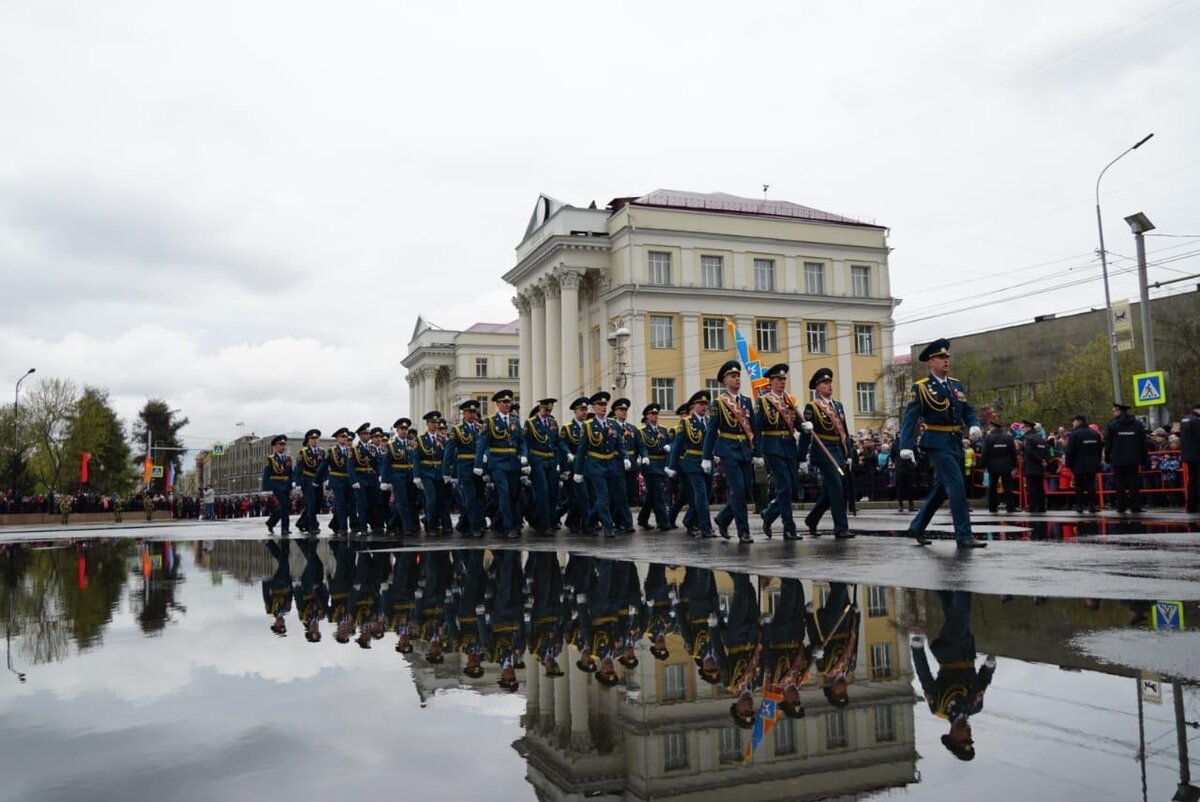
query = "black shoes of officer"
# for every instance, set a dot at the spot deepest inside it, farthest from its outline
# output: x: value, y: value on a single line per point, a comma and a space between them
x: 812, y: 529
x: 271, y: 530
x: 921, y: 538
x: 972, y: 544
x: 792, y: 536
x: 843, y: 534
x: 745, y: 538
x: 710, y: 534
x: 609, y: 533
x: 693, y: 532
x: 724, y: 529
x: 766, y: 528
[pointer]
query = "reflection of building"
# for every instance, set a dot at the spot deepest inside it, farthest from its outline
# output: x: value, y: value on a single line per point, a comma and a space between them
x: 668, y: 734
x: 447, y: 367
x: 238, y: 471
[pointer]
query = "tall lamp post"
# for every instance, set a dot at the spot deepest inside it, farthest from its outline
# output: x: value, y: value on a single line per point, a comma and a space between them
x: 1139, y: 224
x: 16, y: 409
x: 1112, y: 336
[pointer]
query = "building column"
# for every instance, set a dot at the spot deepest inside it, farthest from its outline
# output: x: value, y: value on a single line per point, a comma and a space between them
x: 554, y: 377
x: 545, y: 692
x: 525, y: 353
x: 844, y: 334
x: 607, y: 354
x: 411, y: 378
x: 562, y: 702
x: 568, y: 282
x: 637, y: 389
x: 533, y: 698
x: 429, y: 385
x: 538, y: 355
x: 798, y: 380
x: 690, y: 338
x: 581, y: 737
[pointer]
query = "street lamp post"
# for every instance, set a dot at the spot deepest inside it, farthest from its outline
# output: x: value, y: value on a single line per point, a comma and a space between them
x: 1112, y: 336
x: 1140, y: 224
x: 16, y: 409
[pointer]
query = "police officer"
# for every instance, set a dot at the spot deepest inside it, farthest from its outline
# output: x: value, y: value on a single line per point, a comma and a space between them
x: 1084, y: 449
x: 826, y: 442
x: 730, y: 438
x: 457, y: 465
x: 431, y: 452
x: 999, y: 459
x: 397, y: 475
x: 776, y: 429
x: 1125, y: 448
x: 542, y: 439
x: 569, y: 436
x: 1033, y: 467
x: 311, y: 467
x: 687, y: 458
x: 364, y: 480
x: 653, y: 448
x: 622, y: 503
x: 940, y: 401
x: 601, y: 460
x: 501, y: 445
x: 277, y: 481
x: 338, y: 460
x: 1189, y: 441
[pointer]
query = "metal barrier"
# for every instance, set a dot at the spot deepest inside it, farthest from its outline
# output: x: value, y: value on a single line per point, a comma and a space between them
x: 1101, y: 491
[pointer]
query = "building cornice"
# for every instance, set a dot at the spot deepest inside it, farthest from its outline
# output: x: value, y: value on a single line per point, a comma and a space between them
x: 624, y: 232
x: 556, y: 244
x: 726, y: 293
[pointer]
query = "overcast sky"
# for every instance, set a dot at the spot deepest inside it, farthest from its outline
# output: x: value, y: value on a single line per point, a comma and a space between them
x: 242, y: 207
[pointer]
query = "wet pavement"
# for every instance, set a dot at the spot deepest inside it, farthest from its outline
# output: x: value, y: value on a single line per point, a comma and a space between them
x: 149, y: 663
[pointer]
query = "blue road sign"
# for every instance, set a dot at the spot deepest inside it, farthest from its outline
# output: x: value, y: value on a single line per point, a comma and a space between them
x: 1149, y: 389
x: 1168, y: 615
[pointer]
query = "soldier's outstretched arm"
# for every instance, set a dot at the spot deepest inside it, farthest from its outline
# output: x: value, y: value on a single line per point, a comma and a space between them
x: 908, y: 424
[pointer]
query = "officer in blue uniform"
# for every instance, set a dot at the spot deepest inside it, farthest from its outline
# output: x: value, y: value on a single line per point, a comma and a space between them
x: 659, y: 617
x: 941, y: 402
x: 337, y: 469
x: 776, y: 429
x: 697, y: 602
x: 542, y: 440
x: 653, y: 446
x: 676, y: 484
x: 622, y: 511
x: 277, y: 480
x: 311, y: 594
x: 825, y: 425
x: 785, y: 655
x: 737, y: 646
x: 397, y: 476
x: 687, y: 457
x: 431, y: 450
x: 364, y: 479
x: 569, y: 437
x: 277, y: 591
x: 311, y: 468
x: 457, y: 465
x: 730, y: 438
x: 504, y: 449
x: 601, y: 459
x: 544, y: 622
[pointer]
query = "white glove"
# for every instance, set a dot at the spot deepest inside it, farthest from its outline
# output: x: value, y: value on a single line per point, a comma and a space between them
x: 670, y: 472
x: 578, y: 478
x: 356, y: 486
x: 667, y: 447
x: 384, y: 486
x: 712, y: 619
x: 628, y: 464
x: 570, y: 457
x: 759, y: 461
x: 975, y: 432
x: 524, y: 460
x: 453, y: 482
x: 477, y: 471
x: 799, y: 435
x: 990, y: 661
x: 417, y: 483
x: 916, y: 640
x: 581, y: 598
x: 806, y: 425
x: 448, y: 480
x: 644, y: 460
x: 268, y: 493
x: 525, y: 469
x: 706, y: 465
x: 804, y: 468
x: 818, y: 653
x: 907, y: 453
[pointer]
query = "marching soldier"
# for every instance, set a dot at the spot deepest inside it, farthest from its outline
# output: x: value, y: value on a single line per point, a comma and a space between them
x: 730, y: 438
x: 786, y: 656
x: 364, y: 480
x: 660, y: 610
x: 1033, y: 454
x: 64, y: 508
x: 338, y: 470
x: 738, y: 649
x: 277, y: 481
x: 1084, y: 448
x: 827, y: 443
x: 653, y: 446
x: 622, y: 504
x: 687, y: 457
x: 501, y: 446
x: 311, y: 467
x: 596, y: 459
x: 311, y: 594
x: 277, y: 591
x: 1126, y: 450
x: 457, y: 465
x: 939, y: 400
x: 999, y: 459
x: 775, y: 438
x: 118, y: 506
x: 431, y: 448
x: 541, y: 436
x: 834, y: 630
x: 676, y: 485
x: 397, y: 476
x: 570, y: 436
x: 148, y: 504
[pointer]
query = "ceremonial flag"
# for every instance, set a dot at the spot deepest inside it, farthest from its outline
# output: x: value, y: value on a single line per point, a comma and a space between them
x: 147, y: 471
x: 170, y: 476
x: 751, y: 362
x: 84, y: 459
x: 768, y: 714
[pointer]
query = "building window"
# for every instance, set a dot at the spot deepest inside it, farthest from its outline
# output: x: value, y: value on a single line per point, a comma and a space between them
x: 662, y: 331
x: 712, y: 272
x: 866, y: 397
x: 814, y: 278
x: 785, y: 737
x: 766, y: 333
x: 835, y: 730
x: 885, y: 723
x: 731, y: 744
x: 675, y: 752
x: 864, y: 339
x: 860, y: 280
x: 764, y: 275
x: 484, y: 399
x: 660, y: 267
x: 662, y: 392
x: 674, y: 686
x: 514, y: 368
x: 818, y: 341
x: 877, y: 601
x: 481, y: 367
x: 713, y: 387
x: 714, y: 334
x: 881, y: 660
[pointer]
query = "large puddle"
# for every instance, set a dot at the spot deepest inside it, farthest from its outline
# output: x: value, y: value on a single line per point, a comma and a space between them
x: 316, y: 670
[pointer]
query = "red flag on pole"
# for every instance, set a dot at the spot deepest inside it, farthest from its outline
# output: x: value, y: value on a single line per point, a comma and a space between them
x: 84, y: 459
x: 147, y: 471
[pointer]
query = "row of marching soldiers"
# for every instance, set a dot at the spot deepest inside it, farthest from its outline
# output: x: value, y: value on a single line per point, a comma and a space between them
x: 514, y: 610
x: 511, y: 471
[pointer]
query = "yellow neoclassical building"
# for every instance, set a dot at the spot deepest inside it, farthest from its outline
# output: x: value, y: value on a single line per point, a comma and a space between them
x: 634, y: 298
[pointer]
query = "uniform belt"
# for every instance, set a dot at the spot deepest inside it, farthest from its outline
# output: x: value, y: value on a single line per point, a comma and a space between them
x: 935, y: 427
x: 598, y: 455
x: 535, y: 452
x: 658, y: 457
x: 728, y: 436
x: 401, y: 466
x: 431, y: 462
x: 338, y: 473
x: 504, y: 451
x: 467, y: 456
x: 776, y: 434
x: 691, y: 453
x: 830, y: 438
x: 308, y: 475
x: 277, y: 478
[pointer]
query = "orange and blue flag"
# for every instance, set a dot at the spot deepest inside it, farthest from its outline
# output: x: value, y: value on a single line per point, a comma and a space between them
x: 751, y: 362
x: 768, y: 714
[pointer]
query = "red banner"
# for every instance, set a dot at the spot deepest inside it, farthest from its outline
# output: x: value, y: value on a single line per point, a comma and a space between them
x: 84, y: 459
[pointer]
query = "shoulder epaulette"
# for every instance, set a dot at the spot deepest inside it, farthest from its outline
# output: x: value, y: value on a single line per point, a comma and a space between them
x: 922, y: 381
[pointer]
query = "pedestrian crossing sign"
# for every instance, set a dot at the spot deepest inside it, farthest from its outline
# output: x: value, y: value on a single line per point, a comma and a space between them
x: 1149, y: 389
x: 218, y: 450
x: 157, y: 471
x: 1168, y: 615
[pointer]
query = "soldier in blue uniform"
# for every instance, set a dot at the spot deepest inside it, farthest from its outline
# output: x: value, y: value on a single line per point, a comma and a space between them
x: 653, y: 446
x: 676, y: 484
x: 737, y: 646
x: 277, y: 591
x: 569, y: 437
x: 311, y: 594
x: 601, y: 459
x: 542, y: 439
x: 697, y: 602
x: 940, y: 401
x: 310, y: 471
x: 364, y: 480
x: 277, y: 480
x: 730, y: 438
x: 337, y: 468
x: 457, y: 464
x: 396, y: 475
x: 431, y: 450
x: 834, y: 630
x: 399, y: 599
x: 504, y: 449
x: 660, y: 598
x: 545, y: 620
x: 786, y: 655
x: 776, y: 430
x: 502, y: 630
x: 622, y: 502
x: 827, y: 443
x: 687, y: 457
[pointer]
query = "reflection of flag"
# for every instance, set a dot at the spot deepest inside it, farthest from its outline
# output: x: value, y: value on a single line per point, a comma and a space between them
x: 170, y: 476
x: 84, y: 459
x: 147, y: 470
x: 768, y: 714
x: 751, y: 362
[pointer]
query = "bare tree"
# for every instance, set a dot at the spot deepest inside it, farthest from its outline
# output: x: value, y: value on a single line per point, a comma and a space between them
x: 50, y: 404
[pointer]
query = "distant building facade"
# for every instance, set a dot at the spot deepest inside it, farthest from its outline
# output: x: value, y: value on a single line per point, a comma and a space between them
x: 446, y: 367
x: 238, y: 470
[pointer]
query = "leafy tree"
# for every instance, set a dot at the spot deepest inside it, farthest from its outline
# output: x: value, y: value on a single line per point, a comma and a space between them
x: 49, y: 403
x: 160, y: 421
x: 1082, y: 384
x: 1177, y: 347
x: 93, y: 426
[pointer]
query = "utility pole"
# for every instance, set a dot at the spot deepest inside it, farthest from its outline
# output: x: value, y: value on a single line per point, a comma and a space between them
x: 1140, y: 224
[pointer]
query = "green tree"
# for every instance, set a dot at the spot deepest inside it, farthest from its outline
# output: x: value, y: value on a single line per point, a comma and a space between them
x: 1177, y: 348
x: 50, y: 402
x: 93, y: 426
x: 162, y: 424
x: 1082, y: 384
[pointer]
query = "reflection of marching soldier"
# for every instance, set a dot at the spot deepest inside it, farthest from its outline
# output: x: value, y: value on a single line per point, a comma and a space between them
x: 599, y: 637
x: 738, y: 649
x: 397, y: 476
x: 340, y: 582
x: 64, y: 508
x: 785, y: 655
x: 827, y: 443
x: 999, y: 459
x: 570, y: 435
x: 399, y: 599
x: 698, y: 599
x: 433, y: 596
x: 311, y: 468
x: 542, y: 439
x: 277, y: 481
x: 311, y: 594
x: 544, y: 621
x: 775, y: 438
x: 653, y: 446
x: 834, y: 631
x: 687, y: 458
x: 465, y: 608
x: 431, y: 450
x: 370, y: 569
x: 457, y: 464
x: 730, y: 438
x: 277, y: 591
x: 502, y: 631
x: 660, y: 610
